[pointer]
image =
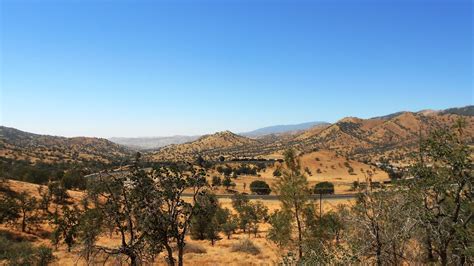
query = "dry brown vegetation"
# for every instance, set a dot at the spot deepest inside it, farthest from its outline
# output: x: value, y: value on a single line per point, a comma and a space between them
x: 393, y: 136
x: 236, y: 251
x: 19, y: 145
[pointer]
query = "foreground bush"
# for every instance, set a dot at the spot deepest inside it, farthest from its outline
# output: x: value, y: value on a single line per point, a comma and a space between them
x: 194, y: 248
x: 246, y: 246
x: 24, y: 253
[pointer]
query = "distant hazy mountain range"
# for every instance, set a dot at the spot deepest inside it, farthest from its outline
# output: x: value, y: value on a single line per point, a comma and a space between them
x: 281, y: 129
x: 150, y: 143
x: 146, y: 143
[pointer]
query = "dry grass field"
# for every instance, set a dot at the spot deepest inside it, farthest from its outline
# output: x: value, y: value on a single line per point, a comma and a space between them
x: 323, y: 166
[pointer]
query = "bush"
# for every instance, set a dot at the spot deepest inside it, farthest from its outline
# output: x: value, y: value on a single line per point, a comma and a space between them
x: 324, y: 188
x: 216, y: 181
x: 277, y: 173
x: 194, y: 248
x: 260, y: 187
x: 18, y: 252
x: 246, y: 246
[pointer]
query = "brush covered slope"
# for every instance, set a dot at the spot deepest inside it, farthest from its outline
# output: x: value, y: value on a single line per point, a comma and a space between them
x: 208, y: 146
x: 19, y: 145
x: 393, y: 136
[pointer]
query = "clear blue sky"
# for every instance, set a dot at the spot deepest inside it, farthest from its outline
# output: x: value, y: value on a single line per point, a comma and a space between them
x: 154, y: 68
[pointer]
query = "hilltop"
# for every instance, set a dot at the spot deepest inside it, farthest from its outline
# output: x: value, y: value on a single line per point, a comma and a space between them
x: 208, y: 146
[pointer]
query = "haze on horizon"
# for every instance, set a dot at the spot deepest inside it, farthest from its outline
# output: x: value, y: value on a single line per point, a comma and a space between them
x: 143, y: 68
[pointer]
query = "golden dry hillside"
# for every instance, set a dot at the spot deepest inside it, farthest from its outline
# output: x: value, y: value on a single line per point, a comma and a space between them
x: 19, y: 145
x: 393, y: 136
x: 207, y: 146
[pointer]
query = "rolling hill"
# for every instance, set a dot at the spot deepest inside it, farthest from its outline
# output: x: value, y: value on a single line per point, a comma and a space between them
x: 394, y: 135
x: 19, y: 145
x: 208, y: 146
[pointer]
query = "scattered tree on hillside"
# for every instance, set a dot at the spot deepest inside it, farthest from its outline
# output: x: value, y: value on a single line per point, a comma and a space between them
x: 260, y: 187
x: 216, y: 181
x: 28, y: 207
x: 208, y: 218
x: 323, y: 188
x: 9, y: 210
x: 292, y: 189
x: 250, y: 214
x: 66, y: 226
x: 231, y: 223
x: 280, y: 230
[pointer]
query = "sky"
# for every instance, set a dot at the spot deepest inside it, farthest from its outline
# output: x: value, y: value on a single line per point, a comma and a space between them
x: 159, y: 68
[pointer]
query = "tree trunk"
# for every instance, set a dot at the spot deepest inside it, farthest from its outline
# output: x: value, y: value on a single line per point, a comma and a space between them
x: 23, y: 223
x: 133, y: 259
x: 300, y: 234
x: 180, y: 254
x: 171, y: 261
x: 378, y: 249
x: 379, y: 255
x: 320, y: 205
x: 429, y: 247
x: 443, y: 256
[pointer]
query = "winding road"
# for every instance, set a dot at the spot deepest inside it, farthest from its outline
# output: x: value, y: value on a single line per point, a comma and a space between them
x: 275, y: 197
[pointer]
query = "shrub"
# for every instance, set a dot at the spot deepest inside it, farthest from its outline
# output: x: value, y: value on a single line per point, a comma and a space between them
x: 216, y: 181
x: 324, y: 188
x: 246, y: 246
x: 19, y: 252
x: 276, y: 173
x: 194, y: 248
x: 260, y: 187
x: 227, y: 182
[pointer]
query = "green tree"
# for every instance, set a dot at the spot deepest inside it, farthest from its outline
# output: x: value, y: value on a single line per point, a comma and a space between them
x: 216, y: 181
x: 227, y: 182
x: 66, y: 226
x: 28, y: 207
x: 231, y: 223
x: 293, y: 192
x: 257, y: 213
x: 89, y: 229
x: 208, y: 218
x: 148, y: 210
x: 442, y: 195
x: 260, y: 187
x: 9, y: 210
x: 323, y: 188
x: 280, y: 230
